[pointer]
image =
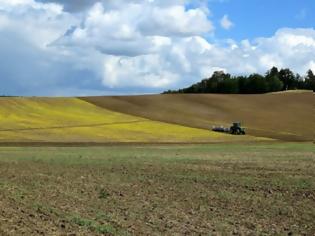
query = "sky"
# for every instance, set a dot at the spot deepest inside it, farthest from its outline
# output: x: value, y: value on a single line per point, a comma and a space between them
x: 117, y: 47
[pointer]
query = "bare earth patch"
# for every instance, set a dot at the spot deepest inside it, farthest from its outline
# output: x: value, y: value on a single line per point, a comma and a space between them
x: 153, y: 190
x: 286, y: 116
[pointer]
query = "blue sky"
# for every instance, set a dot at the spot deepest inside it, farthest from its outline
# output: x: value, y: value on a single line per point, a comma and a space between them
x: 262, y: 18
x: 109, y: 47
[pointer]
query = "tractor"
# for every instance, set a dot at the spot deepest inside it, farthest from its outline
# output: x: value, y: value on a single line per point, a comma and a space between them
x: 234, y: 129
x: 237, y: 129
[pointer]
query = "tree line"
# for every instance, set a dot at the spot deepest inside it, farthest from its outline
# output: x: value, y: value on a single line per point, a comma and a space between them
x: 274, y: 80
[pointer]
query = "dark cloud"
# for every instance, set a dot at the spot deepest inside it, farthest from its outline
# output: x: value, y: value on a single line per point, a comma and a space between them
x: 73, y: 5
x: 26, y: 70
x: 81, y: 5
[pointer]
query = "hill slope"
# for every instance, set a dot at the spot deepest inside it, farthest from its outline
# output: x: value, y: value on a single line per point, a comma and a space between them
x: 74, y: 120
x: 285, y: 116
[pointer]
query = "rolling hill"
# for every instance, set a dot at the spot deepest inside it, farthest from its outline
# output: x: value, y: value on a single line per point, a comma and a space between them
x: 157, y: 118
x: 288, y: 116
x: 72, y: 120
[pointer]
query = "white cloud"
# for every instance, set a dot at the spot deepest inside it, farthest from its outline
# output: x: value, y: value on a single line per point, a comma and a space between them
x: 135, y: 29
x: 174, y: 20
x: 226, y: 23
x: 135, y: 47
x: 143, y: 71
x: 38, y: 23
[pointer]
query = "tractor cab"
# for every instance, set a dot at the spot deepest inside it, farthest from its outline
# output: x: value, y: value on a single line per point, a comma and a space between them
x: 236, y: 128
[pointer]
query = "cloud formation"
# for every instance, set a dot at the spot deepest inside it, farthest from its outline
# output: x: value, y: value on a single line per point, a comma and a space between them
x: 72, y: 5
x: 226, y: 23
x: 119, y: 47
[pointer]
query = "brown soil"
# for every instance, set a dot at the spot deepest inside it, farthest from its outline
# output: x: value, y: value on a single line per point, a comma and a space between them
x: 158, y: 190
x: 284, y: 116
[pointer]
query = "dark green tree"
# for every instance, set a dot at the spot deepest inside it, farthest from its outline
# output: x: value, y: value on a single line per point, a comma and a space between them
x: 257, y: 84
x: 243, y: 84
x: 228, y: 85
x: 274, y: 84
x: 274, y: 80
x: 288, y: 79
x: 273, y: 72
x: 310, y: 80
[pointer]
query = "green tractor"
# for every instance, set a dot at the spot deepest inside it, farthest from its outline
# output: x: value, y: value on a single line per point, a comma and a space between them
x: 237, y: 129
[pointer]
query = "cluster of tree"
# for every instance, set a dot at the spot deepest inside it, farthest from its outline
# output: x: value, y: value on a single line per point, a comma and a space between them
x: 274, y: 80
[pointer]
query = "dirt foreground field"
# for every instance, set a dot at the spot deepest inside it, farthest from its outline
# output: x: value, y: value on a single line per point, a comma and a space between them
x: 158, y: 190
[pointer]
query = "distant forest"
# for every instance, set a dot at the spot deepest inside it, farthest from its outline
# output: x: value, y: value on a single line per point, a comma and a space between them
x: 274, y: 80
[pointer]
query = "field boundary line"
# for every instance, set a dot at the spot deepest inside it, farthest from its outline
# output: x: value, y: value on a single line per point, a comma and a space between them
x: 73, y: 126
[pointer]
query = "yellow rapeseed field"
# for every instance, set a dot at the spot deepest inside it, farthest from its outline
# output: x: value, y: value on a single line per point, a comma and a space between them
x: 75, y: 120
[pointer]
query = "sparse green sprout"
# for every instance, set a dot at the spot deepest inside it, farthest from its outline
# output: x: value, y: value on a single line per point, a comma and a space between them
x: 103, y: 194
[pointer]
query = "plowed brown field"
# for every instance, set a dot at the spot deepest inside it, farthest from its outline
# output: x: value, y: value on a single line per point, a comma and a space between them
x: 286, y: 116
x: 218, y: 189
